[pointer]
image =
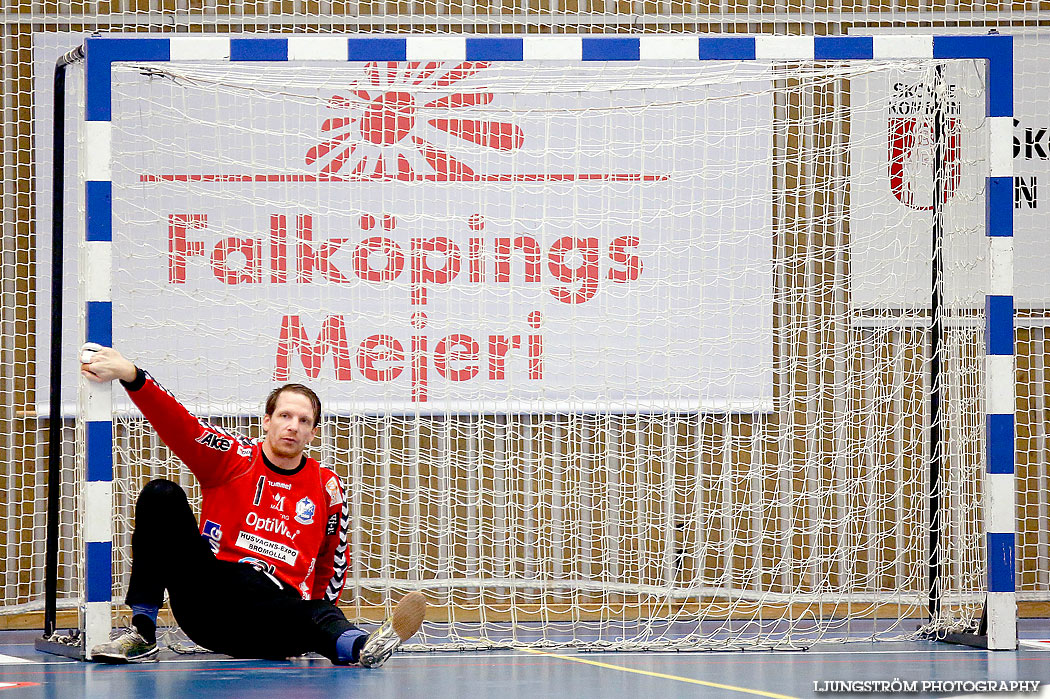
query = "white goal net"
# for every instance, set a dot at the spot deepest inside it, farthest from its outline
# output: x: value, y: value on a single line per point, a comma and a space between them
x: 631, y: 355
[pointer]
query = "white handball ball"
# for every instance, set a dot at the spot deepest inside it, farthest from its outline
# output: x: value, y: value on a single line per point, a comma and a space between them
x: 87, y: 351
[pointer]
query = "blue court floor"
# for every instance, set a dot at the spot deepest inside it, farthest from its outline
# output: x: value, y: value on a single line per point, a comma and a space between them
x: 506, y: 674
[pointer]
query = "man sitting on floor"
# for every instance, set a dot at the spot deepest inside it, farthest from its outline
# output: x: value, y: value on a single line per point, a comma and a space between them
x: 261, y: 576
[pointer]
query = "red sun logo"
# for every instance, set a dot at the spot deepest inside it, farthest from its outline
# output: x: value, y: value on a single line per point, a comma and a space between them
x: 382, y: 132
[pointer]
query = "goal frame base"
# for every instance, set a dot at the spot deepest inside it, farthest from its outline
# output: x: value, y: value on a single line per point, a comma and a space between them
x: 974, y: 640
x: 73, y: 650
x: 977, y: 638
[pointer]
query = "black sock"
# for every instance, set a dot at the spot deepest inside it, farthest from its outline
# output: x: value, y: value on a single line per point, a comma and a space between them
x: 146, y: 627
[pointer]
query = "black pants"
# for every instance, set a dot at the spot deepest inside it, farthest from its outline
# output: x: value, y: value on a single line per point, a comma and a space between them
x: 229, y: 608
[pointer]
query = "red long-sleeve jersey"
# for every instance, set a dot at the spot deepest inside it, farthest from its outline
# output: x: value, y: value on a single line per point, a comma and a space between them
x: 290, y: 524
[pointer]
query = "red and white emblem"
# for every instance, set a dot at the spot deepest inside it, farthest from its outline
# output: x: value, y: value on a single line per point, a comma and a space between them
x: 383, y: 130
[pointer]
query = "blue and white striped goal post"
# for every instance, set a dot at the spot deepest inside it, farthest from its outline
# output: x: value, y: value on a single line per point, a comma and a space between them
x: 997, y: 50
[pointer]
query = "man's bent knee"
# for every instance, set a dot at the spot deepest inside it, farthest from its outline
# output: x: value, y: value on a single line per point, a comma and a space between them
x: 164, y: 499
x: 162, y: 489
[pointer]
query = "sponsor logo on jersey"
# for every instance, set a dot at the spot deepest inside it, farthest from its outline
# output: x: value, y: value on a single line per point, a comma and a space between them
x: 333, y: 524
x: 278, y: 502
x: 244, y: 451
x: 212, y: 533
x: 265, y: 547
x: 214, y: 441
x: 270, y: 524
x: 335, y: 495
x: 282, y: 486
x: 304, y: 511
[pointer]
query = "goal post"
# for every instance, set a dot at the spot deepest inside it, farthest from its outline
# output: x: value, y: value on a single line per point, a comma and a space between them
x: 613, y: 350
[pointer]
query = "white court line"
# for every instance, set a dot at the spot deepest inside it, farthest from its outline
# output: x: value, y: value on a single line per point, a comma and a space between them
x: 430, y: 655
x: 1037, y: 645
x: 189, y: 658
x: 12, y: 660
x: 706, y: 653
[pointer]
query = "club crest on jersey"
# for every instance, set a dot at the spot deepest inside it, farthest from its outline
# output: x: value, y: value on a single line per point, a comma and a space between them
x: 214, y: 441
x: 304, y: 511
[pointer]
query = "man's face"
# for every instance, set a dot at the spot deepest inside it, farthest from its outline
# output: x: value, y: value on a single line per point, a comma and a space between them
x: 291, y: 427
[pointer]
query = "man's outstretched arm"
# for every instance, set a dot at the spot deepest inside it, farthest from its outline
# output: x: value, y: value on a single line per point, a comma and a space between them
x: 207, y: 450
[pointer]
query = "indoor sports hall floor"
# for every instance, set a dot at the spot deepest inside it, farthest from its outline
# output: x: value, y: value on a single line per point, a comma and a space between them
x: 510, y: 674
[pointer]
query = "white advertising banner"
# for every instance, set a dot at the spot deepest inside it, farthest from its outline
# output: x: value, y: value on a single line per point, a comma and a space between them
x: 892, y: 188
x: 1031, y: 168
x: 894, y: 205
x: 423, y: 238
x: 47, y: 47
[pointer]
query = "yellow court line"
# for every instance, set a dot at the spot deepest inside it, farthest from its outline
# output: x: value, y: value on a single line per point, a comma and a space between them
x: 661, y: 675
